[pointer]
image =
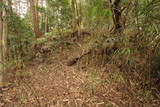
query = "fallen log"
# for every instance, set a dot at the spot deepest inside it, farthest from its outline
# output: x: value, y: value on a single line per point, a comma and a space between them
x: 75, y: 59
x: 106, y: 45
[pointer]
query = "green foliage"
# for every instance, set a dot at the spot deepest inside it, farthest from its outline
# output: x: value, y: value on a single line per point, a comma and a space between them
x: 117, y: 77
x: 20, y: 38
x: 141, y: 29
x: 126, y: 51
x: 22, y: 75
x: 42, y: 68
x: 147, y: 19
x: 59, y: 13
x: 96, y: 11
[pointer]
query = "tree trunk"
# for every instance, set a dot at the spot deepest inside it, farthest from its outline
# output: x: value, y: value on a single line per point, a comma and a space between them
x: 35, y: 17
x: 1, y: 58
x: 4, y: 38
x: 46, y: 18
x: 46, y: 24
x: 76, y: 14
x: 3, y: 43
x: 116, y: 15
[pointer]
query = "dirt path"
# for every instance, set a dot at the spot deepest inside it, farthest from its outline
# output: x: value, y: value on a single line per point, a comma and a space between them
x: 54, y: 84
x: 57, y: 85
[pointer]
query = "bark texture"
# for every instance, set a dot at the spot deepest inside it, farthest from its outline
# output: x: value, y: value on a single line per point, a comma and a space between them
x: 3, y: 42
x: 35, y: 17
x: 116, y: 12
x: 1, y: 59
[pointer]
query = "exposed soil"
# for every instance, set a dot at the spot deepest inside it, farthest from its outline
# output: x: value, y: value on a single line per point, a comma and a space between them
x: 52, y: 83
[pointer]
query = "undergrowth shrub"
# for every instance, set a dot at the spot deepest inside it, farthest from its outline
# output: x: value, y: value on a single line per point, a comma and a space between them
x: 147, y: 37
x: 19, y: 40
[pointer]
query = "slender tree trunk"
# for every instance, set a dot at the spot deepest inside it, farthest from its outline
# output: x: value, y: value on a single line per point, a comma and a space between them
x: 46, y: 18
x: 46, y: 24
x: 76, y: 14
x: 1, y: 52
x: 3, y: 43
x: 35, y: 17
x: 4, y: 38
x: 116, y: 15
x: 42, y: 17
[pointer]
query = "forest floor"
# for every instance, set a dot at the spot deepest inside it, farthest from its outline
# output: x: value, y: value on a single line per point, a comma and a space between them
x: 52, y: 83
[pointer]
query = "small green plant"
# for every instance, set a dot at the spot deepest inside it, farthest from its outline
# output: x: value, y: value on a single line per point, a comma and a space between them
x: 126, y: 51
x: 128, y: 56
x: 21, y: 98
x: 94, y: 80
x: 147, y: 93
x: 42, y: 68
x: 117, y: 77
x: 22, y: 75
x: 108, y: 105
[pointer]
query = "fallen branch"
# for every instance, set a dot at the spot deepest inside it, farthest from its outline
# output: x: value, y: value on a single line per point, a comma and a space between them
x: 75, y: 59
